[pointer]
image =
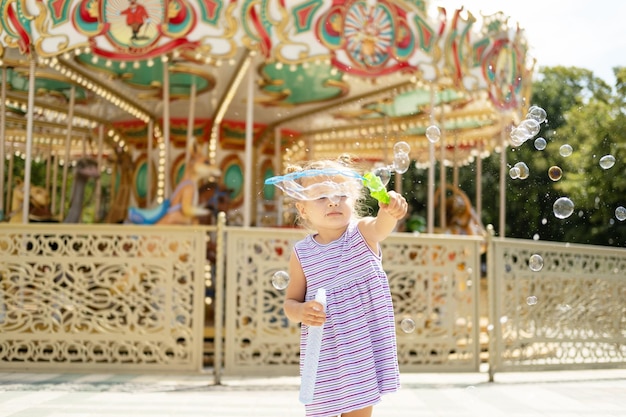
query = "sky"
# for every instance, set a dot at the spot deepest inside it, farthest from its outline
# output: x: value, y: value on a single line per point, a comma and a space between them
x: 581, y: 33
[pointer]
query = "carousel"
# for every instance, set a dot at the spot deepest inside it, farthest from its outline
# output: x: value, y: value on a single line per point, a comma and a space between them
x: 131, y: 88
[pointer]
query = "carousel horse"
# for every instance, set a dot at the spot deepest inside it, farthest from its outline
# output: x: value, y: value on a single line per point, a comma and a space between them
x: 183, y: 206
x: 39, y: 210
x: 124, y: 168
x: 215, y: 198
x: 461, y: 218
x: 86, y: 168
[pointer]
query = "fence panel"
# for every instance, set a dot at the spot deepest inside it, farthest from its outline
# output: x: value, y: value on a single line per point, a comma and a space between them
x: 434, y: 283
x: 107, y: 298
x: 562, y: 309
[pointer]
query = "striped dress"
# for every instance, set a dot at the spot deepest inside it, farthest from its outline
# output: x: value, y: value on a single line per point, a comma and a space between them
x: 358, y: 360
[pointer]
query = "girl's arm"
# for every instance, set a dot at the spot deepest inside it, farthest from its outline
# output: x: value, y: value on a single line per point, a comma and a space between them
x: 376, y: 229
x: 310, y: 313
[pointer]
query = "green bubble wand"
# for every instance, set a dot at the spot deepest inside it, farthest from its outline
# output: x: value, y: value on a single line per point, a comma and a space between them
x: 376, y: 187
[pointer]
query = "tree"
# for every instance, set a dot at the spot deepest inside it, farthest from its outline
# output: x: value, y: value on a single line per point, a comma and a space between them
x: 585, y: 113
x: 582, y: 113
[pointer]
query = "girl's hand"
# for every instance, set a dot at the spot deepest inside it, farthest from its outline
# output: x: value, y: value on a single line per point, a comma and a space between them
x: 313, y: 313
x: 397, y: 206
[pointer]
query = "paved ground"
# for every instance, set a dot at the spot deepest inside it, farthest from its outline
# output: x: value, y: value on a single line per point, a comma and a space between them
x: 599, y: 393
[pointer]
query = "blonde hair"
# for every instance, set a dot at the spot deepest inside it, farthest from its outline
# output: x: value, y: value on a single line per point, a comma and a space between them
x: 342, y: 163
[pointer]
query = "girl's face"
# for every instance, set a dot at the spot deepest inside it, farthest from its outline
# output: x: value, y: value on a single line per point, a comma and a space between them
x: 330, y: 202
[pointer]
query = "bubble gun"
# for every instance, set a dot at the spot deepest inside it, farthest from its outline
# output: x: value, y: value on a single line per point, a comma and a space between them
x: 376, y: 187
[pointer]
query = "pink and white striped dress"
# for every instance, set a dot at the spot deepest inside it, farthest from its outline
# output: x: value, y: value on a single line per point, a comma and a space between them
x: 358, y: 360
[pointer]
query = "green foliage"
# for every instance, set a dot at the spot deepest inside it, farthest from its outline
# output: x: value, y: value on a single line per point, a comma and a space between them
x: 584, y: 112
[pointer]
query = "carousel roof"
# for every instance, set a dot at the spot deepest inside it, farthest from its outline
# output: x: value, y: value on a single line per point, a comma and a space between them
x: 329, y: 76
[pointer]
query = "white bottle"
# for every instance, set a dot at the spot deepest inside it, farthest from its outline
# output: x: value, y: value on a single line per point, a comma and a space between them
x: 312, y: 356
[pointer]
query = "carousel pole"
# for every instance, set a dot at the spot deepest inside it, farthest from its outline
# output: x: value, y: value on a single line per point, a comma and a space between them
x: 53, y: 192
x: 386, y: 137
x: 166, y: 127
x: 150, y: 156
x: 29, y: 138
x: 68, y: 142
x: 49, y: 165
x: 278, y: 165
x: 98, y: 201
x: 249, y: 148
x: 442, y: 174
x: 9, y: 208
x: 190, y: 122
x: 3, y: 100
x: 479, y: 183
x: 430, y: 228
x: 455, y: 167
x: 502, y: 178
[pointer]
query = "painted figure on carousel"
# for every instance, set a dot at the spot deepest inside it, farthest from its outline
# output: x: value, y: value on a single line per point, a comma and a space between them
x: 183, y: 206
x: 136, y: 16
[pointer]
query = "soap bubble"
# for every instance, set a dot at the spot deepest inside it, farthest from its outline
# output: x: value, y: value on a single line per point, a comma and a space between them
x: 535, y: 263
x: 537, y: 113
x: 607, y: 161
x: 523, y: 170
x: 407, y: 325
x: 518, y: 137
x: 531, y: 300
x: 280, y: 280
x: 401, y: 162
x: 384, y: 174
x: 565, y: 150
x: 531, y: 126
x: 620, y: 213
x: 401, y: 147
x: 433, y: 133
x: 514, y: 172
x: 563, y: 208
x: 555, y: 173
x: 313, y: 184
x: 540, y: 144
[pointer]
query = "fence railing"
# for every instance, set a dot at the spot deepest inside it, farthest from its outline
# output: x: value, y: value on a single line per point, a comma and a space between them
x: 555, y: 306
x: 114, y: 298
x: 94, y: 297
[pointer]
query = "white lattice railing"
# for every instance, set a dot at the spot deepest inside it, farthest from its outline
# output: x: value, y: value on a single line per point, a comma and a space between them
x: 433, y: 279
x: 77, y: 297
x: 568, y: 314
x: 118, y: 297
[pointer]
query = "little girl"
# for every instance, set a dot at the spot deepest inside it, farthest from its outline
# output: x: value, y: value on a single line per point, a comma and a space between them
x: 358, y: 359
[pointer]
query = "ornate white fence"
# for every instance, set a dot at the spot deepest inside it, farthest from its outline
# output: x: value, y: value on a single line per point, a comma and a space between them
x: 434, y: 282
x: 129, y: 298
x: 114, y: 298
x: 565, y: 310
